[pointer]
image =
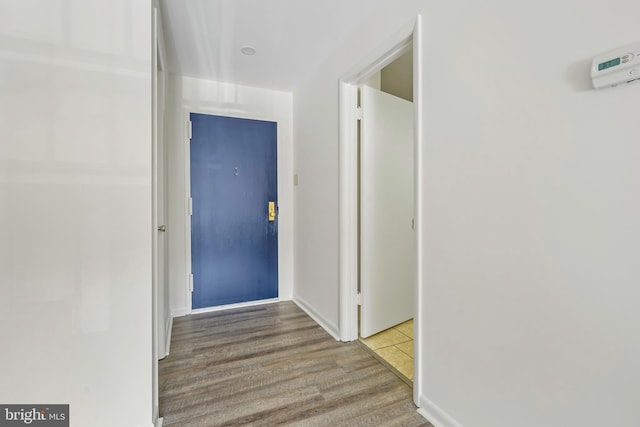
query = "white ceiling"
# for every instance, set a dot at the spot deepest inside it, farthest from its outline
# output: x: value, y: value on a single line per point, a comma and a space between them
x: 291, y: 38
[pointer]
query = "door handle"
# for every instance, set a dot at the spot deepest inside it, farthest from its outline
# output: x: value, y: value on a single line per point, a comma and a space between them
x: 162, y: 228
x: 271, y: 211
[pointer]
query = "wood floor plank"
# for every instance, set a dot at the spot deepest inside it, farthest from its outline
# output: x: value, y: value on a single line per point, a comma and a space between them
x: 273, y: 365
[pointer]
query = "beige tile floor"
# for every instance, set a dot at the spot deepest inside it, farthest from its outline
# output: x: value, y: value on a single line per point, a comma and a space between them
x: 395, y: 346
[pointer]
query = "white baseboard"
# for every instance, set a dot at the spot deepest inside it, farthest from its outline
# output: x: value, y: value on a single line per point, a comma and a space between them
x: 317, y: 317
x: 231, y: 306
x: 435, y: 415
x: 159, y: 422
x: 168, y: 330
x: 179, y: 312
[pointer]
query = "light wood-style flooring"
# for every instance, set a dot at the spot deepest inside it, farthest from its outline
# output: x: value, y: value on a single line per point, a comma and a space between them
x: 273, y: 365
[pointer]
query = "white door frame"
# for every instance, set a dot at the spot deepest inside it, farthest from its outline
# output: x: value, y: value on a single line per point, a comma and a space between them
x: 164, y: 320
x: 156, y: 288
x: 410, y: 34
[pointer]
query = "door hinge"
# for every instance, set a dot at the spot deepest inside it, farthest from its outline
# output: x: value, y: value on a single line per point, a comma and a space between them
x: 189, y: 130
x: 191, y: 282
x: 359, y: 298
x: 359, y: 113
x: 190, y: 206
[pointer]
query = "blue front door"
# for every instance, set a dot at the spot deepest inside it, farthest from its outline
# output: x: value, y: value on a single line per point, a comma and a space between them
x: 234, y: 245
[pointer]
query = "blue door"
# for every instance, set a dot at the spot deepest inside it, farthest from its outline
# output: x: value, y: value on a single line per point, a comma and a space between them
x: 234, y: 239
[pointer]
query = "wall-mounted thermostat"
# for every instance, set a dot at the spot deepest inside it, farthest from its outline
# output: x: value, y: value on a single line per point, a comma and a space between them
x: 617, y: 66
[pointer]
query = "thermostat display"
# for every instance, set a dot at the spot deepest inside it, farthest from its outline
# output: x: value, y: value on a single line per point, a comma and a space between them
x: 608, y: 64
x: 617, y: 66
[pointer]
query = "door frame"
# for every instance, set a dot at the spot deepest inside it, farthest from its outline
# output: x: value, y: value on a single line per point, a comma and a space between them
x: 187, y: 217
x: 410, y: 34
x: 164, y: 319
x: 161, y: 318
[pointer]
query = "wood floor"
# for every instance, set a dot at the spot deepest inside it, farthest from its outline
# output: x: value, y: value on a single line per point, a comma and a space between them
x: 272, y: 365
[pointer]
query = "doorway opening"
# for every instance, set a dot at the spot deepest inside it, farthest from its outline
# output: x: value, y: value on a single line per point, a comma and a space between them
x: 385, y: 211
x: 355, y: 255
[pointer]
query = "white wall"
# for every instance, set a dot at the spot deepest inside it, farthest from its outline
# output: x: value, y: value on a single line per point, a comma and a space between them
x: 531, y: 223
x: 397, y: 77
x: 202, y: 96
x: 75, y: 208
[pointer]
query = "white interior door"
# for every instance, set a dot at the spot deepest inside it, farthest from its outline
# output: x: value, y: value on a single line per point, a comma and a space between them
x: 160, y: 209
x: 163, y: 288
x: 387, y: 252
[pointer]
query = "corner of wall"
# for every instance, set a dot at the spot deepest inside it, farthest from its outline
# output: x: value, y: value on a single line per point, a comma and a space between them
x: 179, y: 312
x: 328, y: 326
x: 436, y: 415
x: 168, y: 330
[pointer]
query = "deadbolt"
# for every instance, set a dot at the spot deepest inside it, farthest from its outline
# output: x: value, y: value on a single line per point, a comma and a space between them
x: 271, y: 211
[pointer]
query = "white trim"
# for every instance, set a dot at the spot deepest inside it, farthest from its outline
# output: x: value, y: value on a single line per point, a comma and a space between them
x: 408, y: 35
x: 348, y: 213
x: 418, y: 159
x: 187, y: 215
x: 318, y: 318
x: 155, y: 403
x: 385, y: 54
x: 435, y: 415
x: 159, y: 422
x: 238, y: 305
x: 168, y: 330
x: 179, y: 312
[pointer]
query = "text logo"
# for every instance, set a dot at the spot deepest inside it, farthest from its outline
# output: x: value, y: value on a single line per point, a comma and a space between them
x: 34, y: 415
